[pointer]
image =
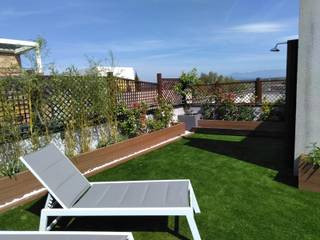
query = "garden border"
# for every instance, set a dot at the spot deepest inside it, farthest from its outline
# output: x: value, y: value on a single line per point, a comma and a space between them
x: 256, y: 128
x: 309, y: 176
x: 24, y: 187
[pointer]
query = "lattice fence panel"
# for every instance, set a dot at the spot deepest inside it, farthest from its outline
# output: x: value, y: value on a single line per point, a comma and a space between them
x: 169, y: 93
x: 131, y: 92
x: 203, y: 94
x: 57, y: 106
x: 273, y: 91
x: 239, y: 92
x: 18, y: 102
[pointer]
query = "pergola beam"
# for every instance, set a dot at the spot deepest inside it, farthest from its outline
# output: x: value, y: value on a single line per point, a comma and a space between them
x: 23, y: 49
x: 19, y: 47
x: 18, y: 42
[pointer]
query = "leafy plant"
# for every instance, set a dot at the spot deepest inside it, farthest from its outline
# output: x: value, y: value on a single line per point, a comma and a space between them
x: 103, y: 135
x: 314, y: 155
x: 10, y: 138
x: 227, y: 110
x: 154, y: 125
x: 70, y: 140
x: 163, y: 114
x: 245, y: 113
x: 207, y: 111
x: 272, y: 111
x: 129, y: 119
x: 111, y: 140
x: 230, y: 111
x: 266, y: 109
x: 67, y: 101
x: 84, y: 138
x: 185, y: 86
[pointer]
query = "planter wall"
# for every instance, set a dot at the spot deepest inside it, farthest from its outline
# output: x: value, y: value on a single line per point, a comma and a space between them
x: 258, y: 128
x: 191, y: 121
x: 309, y: 177
x: 89, y: 163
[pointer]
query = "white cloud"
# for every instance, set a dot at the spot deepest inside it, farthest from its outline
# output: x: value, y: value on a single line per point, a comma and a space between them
x: 262, y: 27
x: 17, y: 13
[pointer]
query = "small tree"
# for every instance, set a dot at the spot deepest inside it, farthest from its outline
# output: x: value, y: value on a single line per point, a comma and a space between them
x: 213, y: 78
x: 185, y: 87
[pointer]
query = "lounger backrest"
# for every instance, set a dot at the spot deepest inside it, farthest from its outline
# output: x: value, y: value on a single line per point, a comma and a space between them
x: 58, y: 174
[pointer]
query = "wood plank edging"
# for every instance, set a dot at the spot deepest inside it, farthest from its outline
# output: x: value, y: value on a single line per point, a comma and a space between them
x: 20, y: 186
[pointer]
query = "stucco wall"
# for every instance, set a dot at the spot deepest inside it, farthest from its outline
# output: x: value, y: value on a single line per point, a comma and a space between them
x: 308, y: 87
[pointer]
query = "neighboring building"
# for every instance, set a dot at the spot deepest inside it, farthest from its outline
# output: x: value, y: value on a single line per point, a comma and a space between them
x: 10, y: 55
x: 121, y: 72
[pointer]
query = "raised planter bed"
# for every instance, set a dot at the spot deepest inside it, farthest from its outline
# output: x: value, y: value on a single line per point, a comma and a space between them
x: 191, y: 121
x: 89, y: 163
x: 258, y: 128
x: 309, y: 177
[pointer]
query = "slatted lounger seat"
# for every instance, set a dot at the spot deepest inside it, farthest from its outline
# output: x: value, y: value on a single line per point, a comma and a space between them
x: 136, y: 194
x: 10, y: 235
x: 79, y: 197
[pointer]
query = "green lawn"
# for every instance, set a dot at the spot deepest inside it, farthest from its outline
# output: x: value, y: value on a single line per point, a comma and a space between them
x: 241, y: 185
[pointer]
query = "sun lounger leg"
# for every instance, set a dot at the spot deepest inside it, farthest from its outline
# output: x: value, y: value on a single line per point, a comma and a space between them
x: 193, y: 200
x: 176, y: 224
x: 43, y: 222
x: 53, y: 223
x: 193, y: 227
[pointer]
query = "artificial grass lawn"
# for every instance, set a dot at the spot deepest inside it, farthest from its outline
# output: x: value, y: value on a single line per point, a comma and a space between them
x: 239, y: 184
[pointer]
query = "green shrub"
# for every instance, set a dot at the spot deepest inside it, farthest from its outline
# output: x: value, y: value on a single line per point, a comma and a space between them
x: 111, y: 140
x: 162, y: 117
x: 163, y: 114
x: 207, y: 111
x: 9, y: 155
x: 154, y: 125
x: 266, y: 111
x: 272, y: 111
x: 185, y: 86
x: 10, y: 135
x: 131, y: 121
x: 226, y: 110
x: 314, y: 156
x: 230, y: 111
x: 245, y: 113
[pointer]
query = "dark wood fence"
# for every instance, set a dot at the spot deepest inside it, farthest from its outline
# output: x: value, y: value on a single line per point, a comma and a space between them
x: 131, y: 92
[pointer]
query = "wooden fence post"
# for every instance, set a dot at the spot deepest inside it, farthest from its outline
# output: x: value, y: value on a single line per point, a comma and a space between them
x: 160, y: 85
x: 258, y: 91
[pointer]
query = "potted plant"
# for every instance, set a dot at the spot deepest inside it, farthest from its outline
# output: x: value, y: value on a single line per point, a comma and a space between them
x: 185, y: 88
x: 309, y: 170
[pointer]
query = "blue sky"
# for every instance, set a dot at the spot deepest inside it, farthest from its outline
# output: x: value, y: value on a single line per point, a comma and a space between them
x: 168, y: 36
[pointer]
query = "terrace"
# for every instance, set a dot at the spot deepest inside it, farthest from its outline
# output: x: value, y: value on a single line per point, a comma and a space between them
x: 248, y: 167
x: 242, y: 186
x: 238, y: 180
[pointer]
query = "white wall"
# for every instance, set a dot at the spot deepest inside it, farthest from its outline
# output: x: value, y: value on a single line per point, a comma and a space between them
x: 308, y: 86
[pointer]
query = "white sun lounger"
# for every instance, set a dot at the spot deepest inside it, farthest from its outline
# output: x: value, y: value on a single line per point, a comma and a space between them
x: 22, y: 235
x: 79, y: 197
